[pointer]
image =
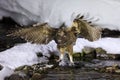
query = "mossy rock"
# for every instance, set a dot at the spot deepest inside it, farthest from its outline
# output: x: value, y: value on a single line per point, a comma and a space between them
x: 36, y: 76
x: 87, y: 50
x: 100, y: 51
x: 114, y: 56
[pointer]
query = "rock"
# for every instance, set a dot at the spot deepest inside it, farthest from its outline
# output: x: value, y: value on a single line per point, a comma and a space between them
x: 100, y: 51
x: 117, y: 71
x: 39, y: 54
x: 110, y: 33
x: 7, y: 41
x: 77, y: 56
x: 112, y: 69
x: 36, y: 76
x: 87, y: 50
x: 28, y: 70
x: 18, y: 76
x: 114, y: 56
x: 1, y: 67
x: 95, y: 61
x: 101, y: 54
x: 33, y: 72
x: 88, y: 53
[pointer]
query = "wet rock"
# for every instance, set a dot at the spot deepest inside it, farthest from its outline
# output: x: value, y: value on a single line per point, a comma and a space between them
x: 95, y: 61
x: 114, y: 56
x: 7, y: 42
x: 77, y: 56
x: 33, y: 72
x: 78, y: 74
x: 18, y: 76
x: 98, y: 53
x: 87, y: 50
x: 87, y: 54
x: 103, y: 63
x: 1, y: 67
x: 112, y: 69
x: 102, y: 54
x: 117, y: 71
x: 26, y: 69
x: 109, y: 66
x: 110, y: 33
x: 6, y: 25
x: 36, y: 76
x: 39, y: 54
x: 78, y: 64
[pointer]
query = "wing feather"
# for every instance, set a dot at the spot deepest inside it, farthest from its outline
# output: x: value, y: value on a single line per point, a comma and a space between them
x: 41, y: 34
x: 89, y: 32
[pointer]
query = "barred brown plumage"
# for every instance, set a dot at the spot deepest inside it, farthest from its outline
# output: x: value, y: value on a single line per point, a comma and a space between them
x: 65, y: 37
x: 88, y: 31
x: 40, y: 34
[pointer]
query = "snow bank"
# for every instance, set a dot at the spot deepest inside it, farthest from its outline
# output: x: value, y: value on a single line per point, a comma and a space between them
x: 103, y: 13
x: 111, y: 45
x: 25, y: 54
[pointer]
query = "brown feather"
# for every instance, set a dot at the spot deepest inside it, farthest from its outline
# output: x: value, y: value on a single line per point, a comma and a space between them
x: 89, y: 32
x: 65, y: 36
x: 41, y: 34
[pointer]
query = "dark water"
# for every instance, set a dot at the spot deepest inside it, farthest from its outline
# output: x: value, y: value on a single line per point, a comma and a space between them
x: 79, y: 74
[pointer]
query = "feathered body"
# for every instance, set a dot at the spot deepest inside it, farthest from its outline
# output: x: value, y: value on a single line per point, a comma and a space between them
x: 65, y: 37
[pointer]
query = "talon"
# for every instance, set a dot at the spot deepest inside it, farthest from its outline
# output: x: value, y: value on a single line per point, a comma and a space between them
x: 71, y: 64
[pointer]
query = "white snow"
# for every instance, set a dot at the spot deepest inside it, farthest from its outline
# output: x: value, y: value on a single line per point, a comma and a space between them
x: 5, y: 72
x: 103, y: 13
x: 25, y: 54
x: 111, y: 45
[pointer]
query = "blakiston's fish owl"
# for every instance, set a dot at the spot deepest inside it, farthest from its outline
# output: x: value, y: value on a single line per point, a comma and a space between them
x: 65, y: 37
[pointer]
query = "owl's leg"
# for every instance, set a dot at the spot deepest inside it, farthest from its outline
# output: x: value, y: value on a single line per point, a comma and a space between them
x: 62, y: 51
x: 70, y: 52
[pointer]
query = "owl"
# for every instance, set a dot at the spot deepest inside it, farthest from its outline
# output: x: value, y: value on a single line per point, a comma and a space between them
x: 65, y: 37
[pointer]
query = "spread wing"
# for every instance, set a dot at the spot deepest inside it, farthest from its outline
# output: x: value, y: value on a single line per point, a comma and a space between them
x: 90, y: 32
x: 41, y: 34
x: 87, y: 31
